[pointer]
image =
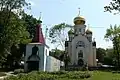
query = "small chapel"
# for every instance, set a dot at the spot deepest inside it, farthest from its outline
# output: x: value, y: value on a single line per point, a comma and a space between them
x: 81, y: 47
x: 37, y: 54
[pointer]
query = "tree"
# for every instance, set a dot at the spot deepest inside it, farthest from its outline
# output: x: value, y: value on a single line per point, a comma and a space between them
x: 30, y: 23
x: 113, y: 34
x: 58, y: 34
x: 13, y: 31
x: 56, y: 53
x: 110, y: 57
x: 113, y: 6
x: 100, y: 53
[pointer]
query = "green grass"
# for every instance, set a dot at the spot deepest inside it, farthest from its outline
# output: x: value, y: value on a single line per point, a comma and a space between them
x: 102, y: 75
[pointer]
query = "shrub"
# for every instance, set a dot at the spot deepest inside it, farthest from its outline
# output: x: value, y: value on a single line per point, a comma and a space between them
x: 17, y: 71
x: 61, y: 75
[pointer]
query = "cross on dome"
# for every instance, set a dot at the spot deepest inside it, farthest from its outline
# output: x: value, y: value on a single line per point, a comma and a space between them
x: 40, y: 15
x: 79, y: 12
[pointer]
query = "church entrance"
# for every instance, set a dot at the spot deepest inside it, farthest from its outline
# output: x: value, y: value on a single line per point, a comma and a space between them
x: 33, y: 65
x: 33, y: 59
x: 80, y: 62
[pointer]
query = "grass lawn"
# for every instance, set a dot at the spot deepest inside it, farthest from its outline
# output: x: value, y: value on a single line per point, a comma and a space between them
x: 102, y: 75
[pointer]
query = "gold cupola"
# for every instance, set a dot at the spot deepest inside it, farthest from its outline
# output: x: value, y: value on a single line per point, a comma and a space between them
x: 79, y: 20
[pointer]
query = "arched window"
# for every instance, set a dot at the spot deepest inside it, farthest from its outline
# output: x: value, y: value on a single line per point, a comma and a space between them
x: 80, y: 44
x: 80, y: 54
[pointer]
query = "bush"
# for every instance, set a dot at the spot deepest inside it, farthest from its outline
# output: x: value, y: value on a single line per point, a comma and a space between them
x: 61, y: 75
x: 17, y: 71
x: 78, y: 75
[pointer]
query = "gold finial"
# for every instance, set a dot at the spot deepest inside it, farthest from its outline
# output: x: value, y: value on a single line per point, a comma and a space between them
x: 79, y: 12
x: 40, y: 16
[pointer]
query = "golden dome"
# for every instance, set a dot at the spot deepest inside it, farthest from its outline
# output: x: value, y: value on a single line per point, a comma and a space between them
x: 79, y: 20
x: 88, y: 31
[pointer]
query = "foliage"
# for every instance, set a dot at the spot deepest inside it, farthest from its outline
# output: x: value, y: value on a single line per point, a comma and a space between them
x: 56, y: 53
x: 113, y: 34
x: 100, y: 53
x: 51, y: 76
x: 13, y: 31
x: 58, y: 34
x: 113, y: 6
x: 84, y: 68
x: 30, y: 23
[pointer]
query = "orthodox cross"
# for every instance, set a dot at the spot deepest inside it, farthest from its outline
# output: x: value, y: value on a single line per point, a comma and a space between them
x: 40, y: 16
x: 79, y: 12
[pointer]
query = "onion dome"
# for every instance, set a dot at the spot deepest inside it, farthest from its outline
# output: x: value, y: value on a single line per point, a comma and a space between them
x: 79, y: 20
x: 70, y: 32
x: 88, y: 31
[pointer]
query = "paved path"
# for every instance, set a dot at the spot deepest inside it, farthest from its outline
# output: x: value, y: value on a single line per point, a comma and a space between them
x: 7, y: 74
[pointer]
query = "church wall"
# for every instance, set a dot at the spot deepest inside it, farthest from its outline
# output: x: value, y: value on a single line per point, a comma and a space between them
x: 40, y: 54
x: 53, y: 64
x: 74, y: 52
x: 90, y: 58
x: 69, y: 51
x: 94, y: 53
x: 46, y: 53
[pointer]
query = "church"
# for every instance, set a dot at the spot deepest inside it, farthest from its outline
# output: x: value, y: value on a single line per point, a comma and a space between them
x: 81, y: 47
x: 37, y: 54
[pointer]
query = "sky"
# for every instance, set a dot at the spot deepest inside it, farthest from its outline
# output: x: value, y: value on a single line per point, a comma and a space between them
x: 59, y: 11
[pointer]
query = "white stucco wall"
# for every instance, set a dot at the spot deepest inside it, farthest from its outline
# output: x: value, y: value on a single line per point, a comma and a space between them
x: 53, y: 64
x: 85, y: 50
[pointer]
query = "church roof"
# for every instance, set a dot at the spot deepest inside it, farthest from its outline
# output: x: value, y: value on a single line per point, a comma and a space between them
x: 88, y: 31
x: 39, y: 38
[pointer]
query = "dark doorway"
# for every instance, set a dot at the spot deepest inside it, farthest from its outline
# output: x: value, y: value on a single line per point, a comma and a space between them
x: 33, y: 65
x: 80, y: 62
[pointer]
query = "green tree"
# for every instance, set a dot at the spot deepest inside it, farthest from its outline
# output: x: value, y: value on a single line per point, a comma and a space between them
x: 58, y: 34
x: 56, y: 53
x: 113, y: 34
x: 110, y: 57
x: 13, y: 31
x: 100, y: 53
x: 30, y: 23
x: 113, y: 6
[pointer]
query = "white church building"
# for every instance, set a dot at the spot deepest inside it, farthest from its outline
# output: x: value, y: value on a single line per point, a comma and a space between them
x: 81, y: 47
x: 37, y: 54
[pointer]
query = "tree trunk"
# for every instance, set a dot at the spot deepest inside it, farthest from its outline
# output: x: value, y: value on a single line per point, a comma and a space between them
x: 116, y: 47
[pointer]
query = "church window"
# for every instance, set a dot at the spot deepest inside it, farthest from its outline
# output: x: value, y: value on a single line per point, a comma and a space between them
x: 80, y: 54
x: 80, y: 30
x: 80, y: 44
